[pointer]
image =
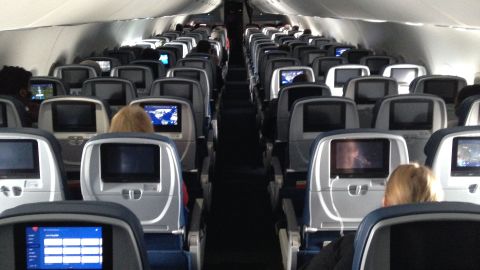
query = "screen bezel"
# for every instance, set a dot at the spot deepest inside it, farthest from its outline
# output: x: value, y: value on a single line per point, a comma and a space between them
x: 306, y: 117
x: 448, y: 100
x: 20, y: 249
x: 363, y: 100
x: 54, y: 90
x: 360, y: 172
x: 33, y: 173
x: 167, y: 128
x: 112, y: 102
x: 57, y: 128
x: 282, y: 72
x: 428, y: 125
x: 341, y: 84
x: 128, y: 178
x: 462, y: 171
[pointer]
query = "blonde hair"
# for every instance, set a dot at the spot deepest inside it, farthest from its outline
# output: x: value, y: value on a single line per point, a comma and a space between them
x: 131, y: 119
x: 412, y: 183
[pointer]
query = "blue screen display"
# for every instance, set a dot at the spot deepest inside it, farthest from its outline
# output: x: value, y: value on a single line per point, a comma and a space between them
x: 163, y: 115
x: 339, y: 51
x: 64, y: 247
x: 164, y: 58
x: 287, y: 76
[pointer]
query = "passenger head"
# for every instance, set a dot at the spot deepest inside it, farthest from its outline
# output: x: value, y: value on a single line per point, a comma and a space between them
x: 467, y: 91
x: 412, y: 183
x: 93, y: 64
x: 150, y: 54
x: 15, y: 81
x: 203, y: 46
x: 131, y: 119
x: 179, y: 27
x: 300, y: 78
x: 307, y: 31
x: 295, y: 28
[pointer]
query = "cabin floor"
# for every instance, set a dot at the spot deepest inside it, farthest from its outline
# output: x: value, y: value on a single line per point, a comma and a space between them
x: 240, y: 228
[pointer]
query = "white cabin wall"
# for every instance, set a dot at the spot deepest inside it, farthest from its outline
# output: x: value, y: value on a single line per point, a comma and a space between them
x: 443, y: 50
x: 39, y: 49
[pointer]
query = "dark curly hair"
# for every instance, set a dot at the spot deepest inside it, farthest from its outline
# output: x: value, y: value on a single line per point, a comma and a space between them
x: 12, y: 79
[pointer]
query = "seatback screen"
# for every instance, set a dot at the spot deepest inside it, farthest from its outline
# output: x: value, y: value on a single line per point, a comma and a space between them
x: 312, y: 56
x: 411, y: 115
x: 368, y: 92
x: 404, y: 75
x: 343, y: 75
x: 136, y: 76
x: 165, y: 59
x: 105, y: 65
x: 431, y: 239
x: 326, y: 64
x: 287, y: 76
x: 165, y: 117
x: 130, y: 163
x: 355, y: 56
x: 340, y: 50
x: 74, y: 117
x: 63, y: 245
x: 446, y: 89
x: 323, y: 116
x: 177, y: 89
x: 466, y: 156
x: 19, y: 159
x: 42, y: 91
x: 74, y: 77
x: 113, y: 93
x: 188, y: 74
x: 359, y: 158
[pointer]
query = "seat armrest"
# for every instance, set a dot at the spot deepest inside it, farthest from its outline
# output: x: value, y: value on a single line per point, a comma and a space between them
x: 290, y: 239
x: 205, y: 181
x: 277, y: 183
x: 196, y: 235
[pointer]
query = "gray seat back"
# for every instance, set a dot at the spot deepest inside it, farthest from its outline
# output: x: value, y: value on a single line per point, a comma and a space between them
x: 73, y: 77
x: 173, y: 117
x: 366, y: 91
x: 73, y: 120
x: 140, y: 76
x: 187, y: 89
x: 347, y: 175
x: 116, y: 91
x: 31, y: 168
x: 415, y: 117
x: 310, y: 117
x: 139, y: 171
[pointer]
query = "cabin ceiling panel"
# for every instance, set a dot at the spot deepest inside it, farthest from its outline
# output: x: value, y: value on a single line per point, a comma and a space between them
x: 21, y: 14
x: 461, y: 13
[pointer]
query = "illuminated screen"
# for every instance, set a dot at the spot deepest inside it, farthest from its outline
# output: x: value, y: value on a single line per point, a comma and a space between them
x: 431, y: 239
x: 343, y: 75
x: 164, y: 59
x: 287, y: 76
x: 59, y: 247
x: 404, y: 75
x: 19, y: 159
x: 130, y: 163
x: 3, y: 115
x: 466, y: 156
x: 368, y: 92
x: 74, y: 117
x: 340, y: 50
x: 74, y: 77
x: 359, y: 158
x: 104, y: 65
x: 323, y: 117
x: 411, y: 115
x: 446, y: 89
x: 136, y: 76
x: 42, y: 91
x: 165, y: 117
x: 113, y: 93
